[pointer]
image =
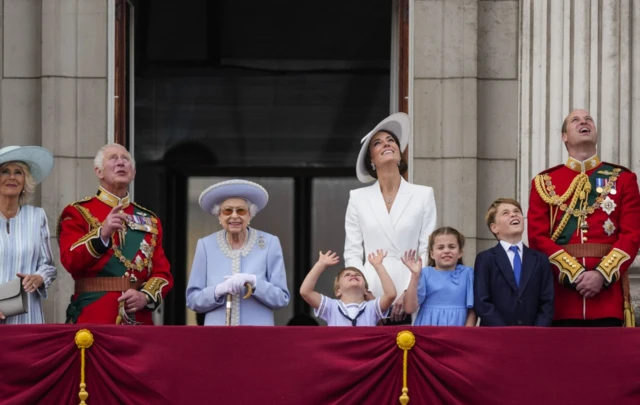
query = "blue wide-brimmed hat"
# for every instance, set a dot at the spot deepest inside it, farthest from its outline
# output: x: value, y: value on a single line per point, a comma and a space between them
x: 236, y: 188
x: 39, y: 160
x: 397, y: 123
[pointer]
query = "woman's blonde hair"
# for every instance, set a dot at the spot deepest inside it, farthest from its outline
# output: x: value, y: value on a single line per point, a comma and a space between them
x: 29, y: 181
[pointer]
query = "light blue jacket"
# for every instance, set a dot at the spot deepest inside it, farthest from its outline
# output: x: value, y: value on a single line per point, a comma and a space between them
x: 262, y: 256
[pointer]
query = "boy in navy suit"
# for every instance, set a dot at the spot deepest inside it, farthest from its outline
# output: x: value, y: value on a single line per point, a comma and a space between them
x: 513, y: 285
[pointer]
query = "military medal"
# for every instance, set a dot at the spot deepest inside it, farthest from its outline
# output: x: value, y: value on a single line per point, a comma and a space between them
x: 601, y: 183
x: 613, y: 191
x: 609, y: 227
x: 608, y: 205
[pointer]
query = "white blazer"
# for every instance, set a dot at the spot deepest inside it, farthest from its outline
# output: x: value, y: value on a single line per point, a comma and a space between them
x: 368, y: 227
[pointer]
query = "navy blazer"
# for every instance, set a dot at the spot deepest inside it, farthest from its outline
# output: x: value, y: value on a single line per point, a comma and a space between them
x: 497, y: 299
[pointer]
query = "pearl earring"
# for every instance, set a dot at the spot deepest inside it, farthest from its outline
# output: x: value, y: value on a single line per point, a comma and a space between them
x: 373, y: 166
x: 399, y: 161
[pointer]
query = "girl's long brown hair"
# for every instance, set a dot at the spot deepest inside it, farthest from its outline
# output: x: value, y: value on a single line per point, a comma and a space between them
x: 445, y: 230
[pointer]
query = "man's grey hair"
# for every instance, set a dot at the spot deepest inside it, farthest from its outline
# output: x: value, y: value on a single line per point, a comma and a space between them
x: 98, y: 161
x: 253, y: 209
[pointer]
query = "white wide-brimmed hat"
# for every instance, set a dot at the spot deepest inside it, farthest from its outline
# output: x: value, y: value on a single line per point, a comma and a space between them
x: 236, y: 188
x: 397, y: 123
x: 39, y: 159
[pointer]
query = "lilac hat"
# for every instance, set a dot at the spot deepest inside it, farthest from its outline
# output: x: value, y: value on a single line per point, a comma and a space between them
x: 39, y: 160
x: 236, y: 188
x: 397, y: 123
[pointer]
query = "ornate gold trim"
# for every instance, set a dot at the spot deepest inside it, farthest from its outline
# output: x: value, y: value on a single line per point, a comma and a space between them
x: 579, y: 188
x: 153, y: 288
x: 583, y: 166
x: 609, y: 267
x: 567, y: 265
x: 112, y: 200
x: 85, y: 241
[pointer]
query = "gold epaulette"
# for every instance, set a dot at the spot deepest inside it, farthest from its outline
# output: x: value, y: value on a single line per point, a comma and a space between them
x: 73, y: 204
x: 622, y: 168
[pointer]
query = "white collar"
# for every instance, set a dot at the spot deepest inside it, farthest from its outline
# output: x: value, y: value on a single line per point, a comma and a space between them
x: 507, y: 245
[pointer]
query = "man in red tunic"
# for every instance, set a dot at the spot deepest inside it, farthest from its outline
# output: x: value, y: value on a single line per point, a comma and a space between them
x: 585, y: 215
x: 113, y: 249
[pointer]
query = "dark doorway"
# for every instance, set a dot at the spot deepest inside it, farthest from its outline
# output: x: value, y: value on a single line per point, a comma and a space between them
x: 279, y: 90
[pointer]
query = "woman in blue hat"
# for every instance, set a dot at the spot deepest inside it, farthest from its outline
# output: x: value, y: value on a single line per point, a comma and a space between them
x: 229, y: 262
x: 25, y: 251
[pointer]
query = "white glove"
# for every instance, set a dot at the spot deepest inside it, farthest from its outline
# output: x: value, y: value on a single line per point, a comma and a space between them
x: 226, y: 287
x: 238, y: 281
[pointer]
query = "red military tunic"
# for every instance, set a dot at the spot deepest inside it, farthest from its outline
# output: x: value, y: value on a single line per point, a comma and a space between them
x: 583, y: 207
x: 85, y: 256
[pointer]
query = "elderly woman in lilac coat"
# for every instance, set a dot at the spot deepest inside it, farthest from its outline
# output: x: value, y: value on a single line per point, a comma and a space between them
x: 236, y: 258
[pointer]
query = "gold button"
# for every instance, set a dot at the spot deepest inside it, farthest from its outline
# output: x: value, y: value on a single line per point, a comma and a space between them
x: 615, y: 255
x: 584, y: 238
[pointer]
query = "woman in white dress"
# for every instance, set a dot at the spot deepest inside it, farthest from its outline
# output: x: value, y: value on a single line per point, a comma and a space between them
x: 25, y: 251
x: 391, y: 214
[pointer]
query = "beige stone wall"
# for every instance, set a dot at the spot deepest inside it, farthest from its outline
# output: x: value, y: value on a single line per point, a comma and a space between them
x: 465, y: 109
x: 53, y: 94
x: 445, y: 122
x: 497, y: 108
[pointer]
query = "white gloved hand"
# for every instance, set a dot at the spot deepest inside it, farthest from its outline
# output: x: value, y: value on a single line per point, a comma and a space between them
x: 238, y: 281
x: 226, y: 287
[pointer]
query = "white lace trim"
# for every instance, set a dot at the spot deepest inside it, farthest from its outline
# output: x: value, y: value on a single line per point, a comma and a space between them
x: 235, y: 255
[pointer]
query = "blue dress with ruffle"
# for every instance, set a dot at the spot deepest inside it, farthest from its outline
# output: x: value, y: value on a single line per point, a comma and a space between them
x: 444, y: 296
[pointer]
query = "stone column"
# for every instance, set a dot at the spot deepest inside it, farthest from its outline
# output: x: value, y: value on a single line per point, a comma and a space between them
x: 497, y: 108
x: 54, y: 77
x: 578, y: 54
x: 444, y: 105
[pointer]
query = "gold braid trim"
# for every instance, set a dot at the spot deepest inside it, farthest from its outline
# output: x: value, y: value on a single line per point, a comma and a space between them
x: 546, y: 189
x: 139, y: 266
x: 153, y: 288
x: 579, y: 194
x: 609, y: 267
x: 580, y: 188
x: 567, y: 264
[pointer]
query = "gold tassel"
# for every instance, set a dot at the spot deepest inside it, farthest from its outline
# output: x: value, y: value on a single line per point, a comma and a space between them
x: 84, y: 340
x: 405, y: 341
x: 629, y: 316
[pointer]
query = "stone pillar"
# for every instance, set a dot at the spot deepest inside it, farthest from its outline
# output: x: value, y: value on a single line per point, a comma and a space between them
x: 578, y: 54
x: 445, y: 154
x: 54, y: 80
x: 497, y: 108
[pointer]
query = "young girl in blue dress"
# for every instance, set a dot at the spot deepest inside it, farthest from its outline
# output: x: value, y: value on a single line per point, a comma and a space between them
x: 442, y: 291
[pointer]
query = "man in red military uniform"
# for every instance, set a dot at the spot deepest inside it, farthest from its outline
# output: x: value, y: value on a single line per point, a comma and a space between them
x: 585, y: 215
x: 113, y: 249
